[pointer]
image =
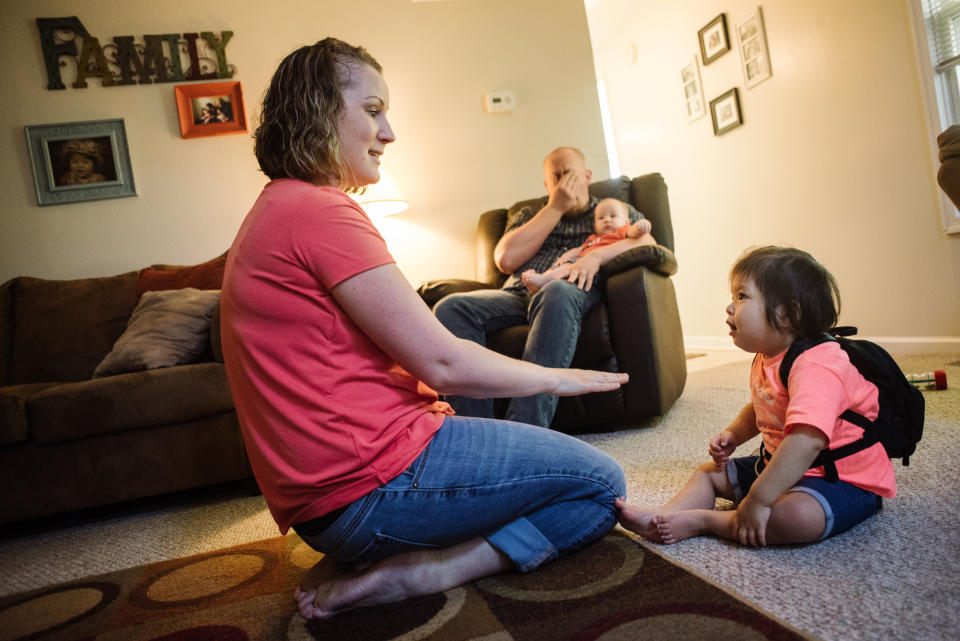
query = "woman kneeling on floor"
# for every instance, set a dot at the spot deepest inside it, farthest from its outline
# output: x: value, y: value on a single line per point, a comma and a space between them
x: 333, y: 360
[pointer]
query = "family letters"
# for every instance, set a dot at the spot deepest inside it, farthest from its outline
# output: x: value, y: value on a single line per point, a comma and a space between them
x: 156, y: 59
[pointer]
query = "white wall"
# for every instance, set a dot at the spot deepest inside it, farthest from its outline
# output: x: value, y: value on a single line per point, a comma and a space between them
x: 452, y: 160
x: 833, y: 156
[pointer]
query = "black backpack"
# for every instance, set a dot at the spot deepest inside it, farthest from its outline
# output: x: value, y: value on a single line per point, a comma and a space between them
x: 899, y: 425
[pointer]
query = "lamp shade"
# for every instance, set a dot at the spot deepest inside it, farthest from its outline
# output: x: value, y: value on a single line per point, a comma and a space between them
x: 382, y: 198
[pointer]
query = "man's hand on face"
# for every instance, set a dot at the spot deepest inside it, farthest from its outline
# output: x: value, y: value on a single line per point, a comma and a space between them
x: 564, y: 193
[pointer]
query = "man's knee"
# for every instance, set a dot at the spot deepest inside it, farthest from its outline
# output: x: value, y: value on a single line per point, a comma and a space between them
x: 559, y: 296
x: 449, y: 306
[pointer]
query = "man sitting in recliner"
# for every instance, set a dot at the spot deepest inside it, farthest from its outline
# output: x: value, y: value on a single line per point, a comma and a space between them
x: 534, y: 240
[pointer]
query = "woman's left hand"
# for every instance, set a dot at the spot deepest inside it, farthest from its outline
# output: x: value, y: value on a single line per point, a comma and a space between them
x: 571, y: 382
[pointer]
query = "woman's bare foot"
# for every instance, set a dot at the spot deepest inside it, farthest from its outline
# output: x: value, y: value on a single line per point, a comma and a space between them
x: 330, y: 589
x: 532, y: 280
x: 325, y: 591
x: 639, y: 519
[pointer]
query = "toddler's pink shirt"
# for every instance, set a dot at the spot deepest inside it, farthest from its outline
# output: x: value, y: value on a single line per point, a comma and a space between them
x: 823, y: 384
x: 326, y: 415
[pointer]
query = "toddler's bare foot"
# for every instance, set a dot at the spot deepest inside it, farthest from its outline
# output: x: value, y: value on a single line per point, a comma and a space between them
x: 639, y: 519
x: 678, y: 526
x: 532, y: 280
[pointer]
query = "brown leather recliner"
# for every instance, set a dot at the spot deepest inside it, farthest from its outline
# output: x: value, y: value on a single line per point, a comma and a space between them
x: 636, y: 329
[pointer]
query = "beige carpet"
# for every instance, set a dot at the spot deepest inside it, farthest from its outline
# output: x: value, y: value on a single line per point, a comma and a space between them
x: 893, y: 577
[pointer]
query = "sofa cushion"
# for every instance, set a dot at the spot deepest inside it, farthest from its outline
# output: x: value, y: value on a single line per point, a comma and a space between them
x: 13, y: 411
x: 128, y: 401
x: 208, y: 275
x: 64, y: 328
x: 167, y: 328
x: 6, y: 332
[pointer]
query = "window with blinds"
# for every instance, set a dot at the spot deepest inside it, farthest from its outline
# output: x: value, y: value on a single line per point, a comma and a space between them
x: 942, y: 37
x: 942, y: 18
x: 943, y: 32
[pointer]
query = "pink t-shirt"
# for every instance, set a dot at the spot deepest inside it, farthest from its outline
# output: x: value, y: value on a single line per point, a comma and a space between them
x: 823, y: 384
x: 326, y: 415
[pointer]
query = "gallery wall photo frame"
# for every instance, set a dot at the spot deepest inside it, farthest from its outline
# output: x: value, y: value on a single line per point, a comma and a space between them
x: 210, y: 109
x: 754, y: 53
x: 725, y: 112
x: 714, y: 39
x: 693, y: 90
x: 80, y: 161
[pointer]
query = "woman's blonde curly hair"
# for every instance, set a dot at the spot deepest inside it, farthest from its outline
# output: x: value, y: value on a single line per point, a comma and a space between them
x: 297, y: 134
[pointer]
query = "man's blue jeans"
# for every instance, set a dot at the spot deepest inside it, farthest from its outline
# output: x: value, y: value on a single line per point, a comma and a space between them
x: 532, y: 493
x: 554, y: 314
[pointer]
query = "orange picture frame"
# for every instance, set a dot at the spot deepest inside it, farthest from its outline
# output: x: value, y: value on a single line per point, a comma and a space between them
x: 210, y: 109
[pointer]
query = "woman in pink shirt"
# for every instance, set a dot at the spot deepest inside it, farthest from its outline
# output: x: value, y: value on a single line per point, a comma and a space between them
x: 333, y: 360
x: 781, y: 294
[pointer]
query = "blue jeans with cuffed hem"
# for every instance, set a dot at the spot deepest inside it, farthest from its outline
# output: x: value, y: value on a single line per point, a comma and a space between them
x: 532, y: 493
x: 555, y: 314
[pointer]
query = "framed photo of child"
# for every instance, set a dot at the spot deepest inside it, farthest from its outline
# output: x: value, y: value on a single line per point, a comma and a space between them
x: 80, y: 161
x: 210, y: 109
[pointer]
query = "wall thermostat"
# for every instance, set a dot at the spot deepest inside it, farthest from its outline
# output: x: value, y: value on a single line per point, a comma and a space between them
x: 498, y: 102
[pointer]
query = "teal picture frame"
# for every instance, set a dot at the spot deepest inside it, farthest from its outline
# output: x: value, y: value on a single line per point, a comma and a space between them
x: 80, y: 161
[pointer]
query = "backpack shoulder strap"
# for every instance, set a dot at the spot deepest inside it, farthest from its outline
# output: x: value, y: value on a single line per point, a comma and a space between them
x: 798, y: 347
x: 827, y: 457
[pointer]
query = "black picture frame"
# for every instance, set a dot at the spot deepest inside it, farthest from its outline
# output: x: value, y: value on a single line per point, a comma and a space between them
x: 725, y: 112
x: 714, y: 39
x: 80, y: 161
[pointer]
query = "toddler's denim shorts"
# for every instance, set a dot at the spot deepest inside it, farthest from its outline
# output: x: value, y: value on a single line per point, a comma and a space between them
x: 843, y: 504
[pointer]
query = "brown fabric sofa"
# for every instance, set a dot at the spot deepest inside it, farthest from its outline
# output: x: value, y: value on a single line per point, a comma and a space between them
x: 70, y: 441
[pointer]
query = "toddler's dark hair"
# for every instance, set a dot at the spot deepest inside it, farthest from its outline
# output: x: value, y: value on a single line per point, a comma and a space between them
x: 792, y: 279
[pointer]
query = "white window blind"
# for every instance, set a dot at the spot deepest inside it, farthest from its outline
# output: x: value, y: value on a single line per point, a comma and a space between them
x: 943, y: 31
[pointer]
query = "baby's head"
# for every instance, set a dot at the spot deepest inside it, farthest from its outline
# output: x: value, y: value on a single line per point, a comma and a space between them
x: 82, y: 155
x: 609, y: 215
x: 799, y: 294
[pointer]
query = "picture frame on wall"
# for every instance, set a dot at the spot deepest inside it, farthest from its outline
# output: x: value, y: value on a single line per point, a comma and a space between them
x: 754, y: 54
x: 210, y: 109
x: 725, y: 112
x: 80, y: 161
x: 714, y: 39
x: 693, y: 90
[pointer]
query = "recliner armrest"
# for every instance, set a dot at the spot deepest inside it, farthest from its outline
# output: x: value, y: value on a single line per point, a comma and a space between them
x: 654, y: 257
x: 433, y: 290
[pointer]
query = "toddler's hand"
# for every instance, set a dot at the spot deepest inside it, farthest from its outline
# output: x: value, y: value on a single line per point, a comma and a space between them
x: 749, y: 524
x: 643, y: 226
x: 722, y: 446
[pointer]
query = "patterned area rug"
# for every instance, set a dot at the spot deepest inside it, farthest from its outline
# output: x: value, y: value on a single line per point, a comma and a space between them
x: 613, y: 590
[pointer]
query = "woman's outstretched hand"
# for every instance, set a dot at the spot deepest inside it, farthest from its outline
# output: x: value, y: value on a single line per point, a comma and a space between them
x: 572, y: 382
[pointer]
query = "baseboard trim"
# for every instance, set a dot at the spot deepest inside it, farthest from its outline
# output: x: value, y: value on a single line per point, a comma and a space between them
x: 893, y: 344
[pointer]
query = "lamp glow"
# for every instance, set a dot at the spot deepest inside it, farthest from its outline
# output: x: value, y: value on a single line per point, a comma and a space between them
x: 382, y: 198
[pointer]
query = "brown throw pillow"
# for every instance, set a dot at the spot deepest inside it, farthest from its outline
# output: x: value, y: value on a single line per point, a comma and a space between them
x: 208, y: 275
x: 167, y: 328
